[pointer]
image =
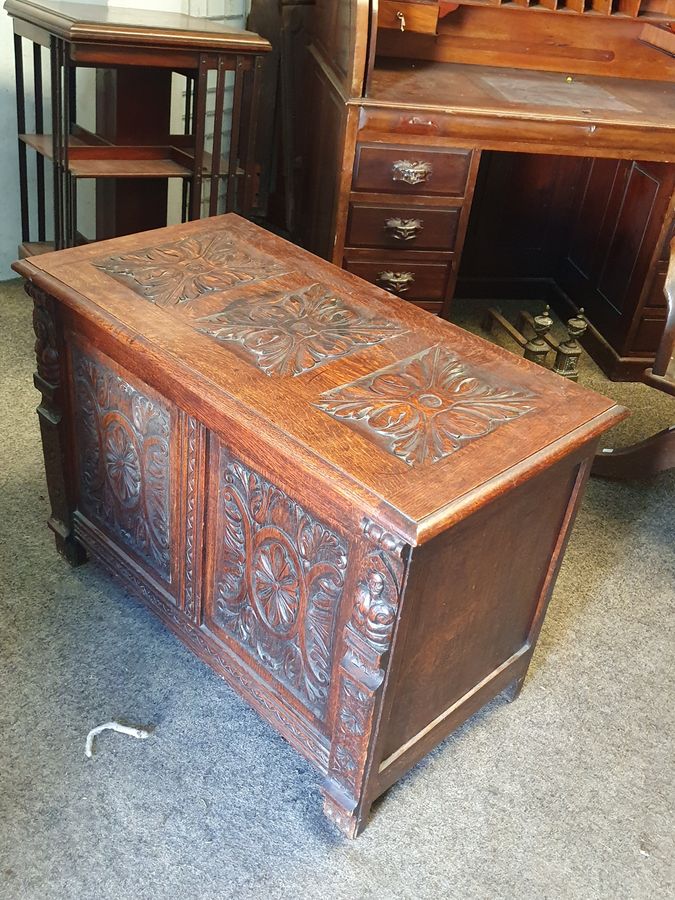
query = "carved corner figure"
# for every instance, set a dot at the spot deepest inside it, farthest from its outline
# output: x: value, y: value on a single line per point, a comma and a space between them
x: 368, y: 640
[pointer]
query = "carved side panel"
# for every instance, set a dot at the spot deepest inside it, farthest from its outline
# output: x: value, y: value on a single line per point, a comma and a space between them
x: 124, y: 461
x: 48, y: 380
x: 367, y: 639
x: 278, y: 582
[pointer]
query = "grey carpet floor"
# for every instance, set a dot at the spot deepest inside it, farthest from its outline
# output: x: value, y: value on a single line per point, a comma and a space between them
x: 565, y: 794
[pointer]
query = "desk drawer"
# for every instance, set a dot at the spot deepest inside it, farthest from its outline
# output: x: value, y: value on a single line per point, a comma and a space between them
x: 408, y: 280
x: 384, y: 168
x: 402, y: 227
x: 420, y: 16
x: 657, y: 297
x: 648, y: 334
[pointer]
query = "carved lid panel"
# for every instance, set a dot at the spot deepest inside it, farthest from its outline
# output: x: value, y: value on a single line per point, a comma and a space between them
x: 413, y: 416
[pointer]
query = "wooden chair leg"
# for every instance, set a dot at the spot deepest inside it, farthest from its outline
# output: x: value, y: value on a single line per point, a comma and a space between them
x: 649, y: 457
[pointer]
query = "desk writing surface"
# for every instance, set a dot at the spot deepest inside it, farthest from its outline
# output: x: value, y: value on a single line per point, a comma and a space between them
x: 401, y: 406
x: 529, y: 94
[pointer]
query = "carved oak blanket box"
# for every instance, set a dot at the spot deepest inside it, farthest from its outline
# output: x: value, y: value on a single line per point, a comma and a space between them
x: 352, y: 510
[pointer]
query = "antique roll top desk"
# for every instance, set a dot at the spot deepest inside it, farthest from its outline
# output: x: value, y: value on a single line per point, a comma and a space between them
x: 352, y: 510
x: 525, y: 148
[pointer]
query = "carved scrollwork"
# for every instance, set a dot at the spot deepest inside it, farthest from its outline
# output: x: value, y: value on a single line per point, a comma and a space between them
x: 293, y: 727
x: 411, y: 171
x: 279, y: 580
x: 123, y: 444
x: 46, y: 345
x: 54, y: 429
x: 192, y: 512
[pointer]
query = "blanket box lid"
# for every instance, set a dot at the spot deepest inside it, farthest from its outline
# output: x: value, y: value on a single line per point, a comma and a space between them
x: 415, y: 419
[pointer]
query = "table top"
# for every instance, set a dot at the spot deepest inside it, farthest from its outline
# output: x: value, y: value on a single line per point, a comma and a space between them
x: 97, y: 22
x: 416, y: 419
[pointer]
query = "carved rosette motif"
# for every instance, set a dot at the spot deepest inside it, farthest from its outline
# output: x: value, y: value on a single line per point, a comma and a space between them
x: 278, y: 582
x: 426, y: 407
x: 367, y: 638
x: 123, y: 442
x: 182, y: 271
x: 290, y: 333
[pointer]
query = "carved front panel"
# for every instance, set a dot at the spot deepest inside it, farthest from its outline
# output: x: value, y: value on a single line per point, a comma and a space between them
x: 123, y: 453
x: 278, y: 581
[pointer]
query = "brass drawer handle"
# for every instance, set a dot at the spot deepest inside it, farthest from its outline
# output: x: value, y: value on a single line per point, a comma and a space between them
x: 404, y: 229
x: 397, y: 282
x: 411, y: 171
x: 401, y: 20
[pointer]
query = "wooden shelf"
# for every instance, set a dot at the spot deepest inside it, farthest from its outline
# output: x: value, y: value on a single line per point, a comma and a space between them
x: 101, y: 160
x: 42, y: 143
x: 35, y: 248
x: 131, y: 148
x: 114, y: 161
x: 101, y: 24
x: 161, y: 167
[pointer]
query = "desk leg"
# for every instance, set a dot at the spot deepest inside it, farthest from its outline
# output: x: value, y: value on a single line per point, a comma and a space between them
x: 53, y: 424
